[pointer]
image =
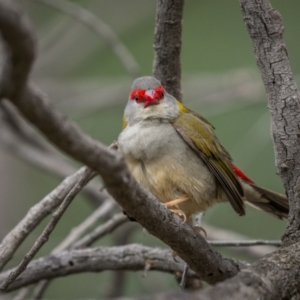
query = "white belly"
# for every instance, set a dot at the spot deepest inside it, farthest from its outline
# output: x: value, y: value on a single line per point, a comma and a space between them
x: 164, y: 164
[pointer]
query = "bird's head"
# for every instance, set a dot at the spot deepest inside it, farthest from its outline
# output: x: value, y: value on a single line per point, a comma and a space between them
x: 149, y: 100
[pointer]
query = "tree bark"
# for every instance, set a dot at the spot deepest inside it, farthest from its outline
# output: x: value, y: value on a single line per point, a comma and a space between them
x: 265, y: 29
x: 167, y: 45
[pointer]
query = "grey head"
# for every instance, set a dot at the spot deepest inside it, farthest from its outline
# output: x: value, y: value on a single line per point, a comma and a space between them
x: 149, y: 101
x: 145, y: 83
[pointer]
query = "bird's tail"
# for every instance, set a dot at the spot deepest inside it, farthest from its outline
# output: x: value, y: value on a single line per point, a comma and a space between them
x: 266, y: 200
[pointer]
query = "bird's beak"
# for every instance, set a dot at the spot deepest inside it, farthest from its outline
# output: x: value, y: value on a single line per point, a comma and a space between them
x: 151, y: 98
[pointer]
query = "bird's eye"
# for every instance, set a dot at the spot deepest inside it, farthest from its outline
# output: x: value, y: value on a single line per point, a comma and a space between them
x: 160, y: 92
x: 137, y: 95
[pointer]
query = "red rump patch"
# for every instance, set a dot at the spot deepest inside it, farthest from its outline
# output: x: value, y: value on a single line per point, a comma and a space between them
x: 240, y: 174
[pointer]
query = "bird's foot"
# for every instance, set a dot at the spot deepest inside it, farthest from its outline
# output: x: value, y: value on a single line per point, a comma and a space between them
x: 177, y: 201
x: 180, y: 213
x: 200, y: 230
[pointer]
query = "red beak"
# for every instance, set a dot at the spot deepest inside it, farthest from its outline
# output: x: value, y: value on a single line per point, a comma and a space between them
x: 151, y: 98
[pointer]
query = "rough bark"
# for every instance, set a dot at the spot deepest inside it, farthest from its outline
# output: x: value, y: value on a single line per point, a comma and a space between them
x: 129, y: 257
x: 276, y: 276
x: 265, y: 28
x: 167, y: 45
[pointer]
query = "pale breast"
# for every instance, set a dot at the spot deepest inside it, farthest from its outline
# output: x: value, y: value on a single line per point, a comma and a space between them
x: 147, y: 140
x: 165, y: 165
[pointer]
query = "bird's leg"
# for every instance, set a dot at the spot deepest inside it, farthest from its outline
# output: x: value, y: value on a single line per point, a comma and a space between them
x: 177, y: 201
x: 197, y: 224
x: 174, y: 202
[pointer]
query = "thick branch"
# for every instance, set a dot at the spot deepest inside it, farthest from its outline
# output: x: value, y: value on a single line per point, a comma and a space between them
x: 265, y: 28
x: 276, y: 276
x: 141, y: 205
x: 21, y: 49
x: 130, y: 257
x: 167, y: 45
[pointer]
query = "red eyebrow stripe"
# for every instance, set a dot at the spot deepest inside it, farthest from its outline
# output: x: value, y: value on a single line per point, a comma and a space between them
x: 240, y: 174
x: 137, y: 93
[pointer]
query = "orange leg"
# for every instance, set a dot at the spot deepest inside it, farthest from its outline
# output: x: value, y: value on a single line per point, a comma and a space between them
x: 177, y: 201
x: 178, y: 212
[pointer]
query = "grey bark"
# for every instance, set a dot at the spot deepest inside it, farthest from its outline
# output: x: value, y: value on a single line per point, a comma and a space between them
x: 167, y: 45
x: 265, y: 29
x: 129, y: 257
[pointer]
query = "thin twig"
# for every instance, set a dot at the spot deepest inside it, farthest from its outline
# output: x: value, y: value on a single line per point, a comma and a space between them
x: 101, y: 230
x: 75, y: 233
x: 218, y: 234
x: 100, y: 28
x: 117, y: 280
x: 183, y: 277
x: 86, y: 225
x: 19, y: 139
x: 23, y: 293
x: 43, y: 238
x: 248, y: 243
x: 35, y: 215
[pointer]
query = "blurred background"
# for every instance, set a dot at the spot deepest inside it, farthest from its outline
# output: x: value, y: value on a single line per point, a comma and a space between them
x: 85, y: 79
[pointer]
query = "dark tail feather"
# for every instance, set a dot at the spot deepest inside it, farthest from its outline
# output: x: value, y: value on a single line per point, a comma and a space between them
x: 268, y: 201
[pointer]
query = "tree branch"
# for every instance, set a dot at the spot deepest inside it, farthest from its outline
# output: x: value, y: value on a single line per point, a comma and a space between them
x: 265, y: 29
x: 21, y: 53
x: 273, y: 277
x: 216, y: 233
x: 130, y: 257
x: 73, y: 236
x: 167, y: 45
x: 101, y: 230
x: 20, y: 140
x: 43, y: 238
x: 246, y: 243
x: 35, y: 215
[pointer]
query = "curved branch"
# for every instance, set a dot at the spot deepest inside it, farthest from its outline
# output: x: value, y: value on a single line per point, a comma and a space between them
x: 130, y: 257
x: 167, y: 45
x: 265, y: 28
x: 150, y: 213
x: 100, y: 28
x: 20, y: 52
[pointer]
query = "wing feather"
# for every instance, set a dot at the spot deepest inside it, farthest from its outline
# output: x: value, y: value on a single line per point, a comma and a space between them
x: 199, y: 135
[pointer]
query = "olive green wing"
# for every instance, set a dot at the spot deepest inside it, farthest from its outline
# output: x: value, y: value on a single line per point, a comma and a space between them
x: 199, y: 135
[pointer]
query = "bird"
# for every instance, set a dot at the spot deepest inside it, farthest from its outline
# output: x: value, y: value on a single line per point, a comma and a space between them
x: 174, y: 153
